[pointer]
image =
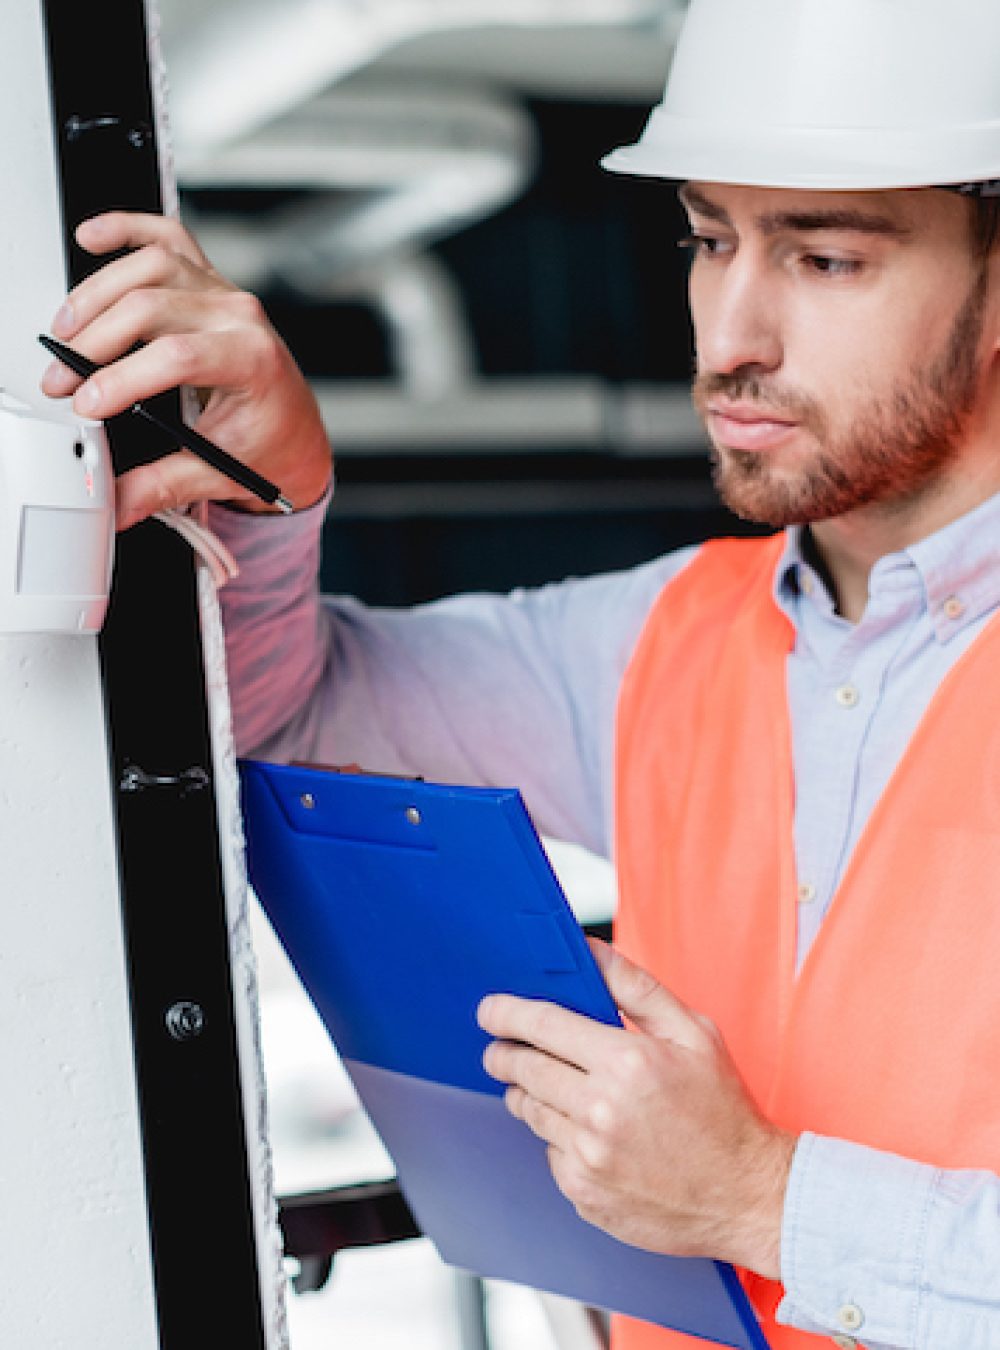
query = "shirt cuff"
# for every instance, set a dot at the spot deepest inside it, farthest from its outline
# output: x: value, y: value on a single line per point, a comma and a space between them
x: 854, y: 1241
x: 264, y: 538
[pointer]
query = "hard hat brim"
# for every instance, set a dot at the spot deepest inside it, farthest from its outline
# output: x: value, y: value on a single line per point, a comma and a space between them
x: 809, y: 158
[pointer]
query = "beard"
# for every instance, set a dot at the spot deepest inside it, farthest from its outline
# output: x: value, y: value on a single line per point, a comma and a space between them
x: 892, y: 454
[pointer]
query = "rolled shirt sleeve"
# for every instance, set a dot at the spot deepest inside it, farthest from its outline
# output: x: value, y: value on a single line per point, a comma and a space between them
x: 881, y: 1251
x: 515, y: 689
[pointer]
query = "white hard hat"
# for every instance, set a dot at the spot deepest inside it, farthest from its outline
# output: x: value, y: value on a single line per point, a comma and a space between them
x: 829, y: 94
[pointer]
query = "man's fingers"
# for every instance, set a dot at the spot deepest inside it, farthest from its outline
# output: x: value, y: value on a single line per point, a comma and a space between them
x: 548, y: 1080
x: 227, y: 359
x: 133, y: 229
x: 137, y: 320
x: 150, y: 268
x: 577, y: 1040
x: 174, y: 481
x: 541, y: 1119
x: 573, y: 1151
x: 645, y: 1002
x: 132, y: 321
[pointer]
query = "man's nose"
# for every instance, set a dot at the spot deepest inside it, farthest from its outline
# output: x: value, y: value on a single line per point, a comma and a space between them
x: 736, y: 321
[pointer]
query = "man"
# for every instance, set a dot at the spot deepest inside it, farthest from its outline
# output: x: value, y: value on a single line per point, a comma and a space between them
x: 791, y: 739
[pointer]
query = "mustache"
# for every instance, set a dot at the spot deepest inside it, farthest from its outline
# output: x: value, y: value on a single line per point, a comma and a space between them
x: 749, y: 386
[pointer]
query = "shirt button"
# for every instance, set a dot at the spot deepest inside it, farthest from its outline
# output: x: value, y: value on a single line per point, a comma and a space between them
x: 847, y: 695
x: 807, y: 892
x: 850, y: 1317
x: 953, y: 608
x: 845, y: 1342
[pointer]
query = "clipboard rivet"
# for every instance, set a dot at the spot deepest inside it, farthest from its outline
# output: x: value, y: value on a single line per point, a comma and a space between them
x: 308, y: 800
x: 413, y: 815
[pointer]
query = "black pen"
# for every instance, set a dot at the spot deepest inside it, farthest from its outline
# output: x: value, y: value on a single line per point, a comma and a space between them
x: 193, y: 440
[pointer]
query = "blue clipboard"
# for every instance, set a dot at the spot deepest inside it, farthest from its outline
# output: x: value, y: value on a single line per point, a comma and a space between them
x: 400, y: 905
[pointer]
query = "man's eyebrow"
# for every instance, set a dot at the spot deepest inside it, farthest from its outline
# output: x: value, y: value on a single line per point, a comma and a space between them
x: 805, y: 222
x: 801, y: 222
x: 694, y: 200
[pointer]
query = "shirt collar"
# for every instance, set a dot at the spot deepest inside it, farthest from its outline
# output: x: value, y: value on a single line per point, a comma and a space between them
x: 958, y: 568
x: 796, y: 577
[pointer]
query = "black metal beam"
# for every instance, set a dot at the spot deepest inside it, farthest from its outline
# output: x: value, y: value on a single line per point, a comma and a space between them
x: 198, y: 1190
x: 323, y: 1223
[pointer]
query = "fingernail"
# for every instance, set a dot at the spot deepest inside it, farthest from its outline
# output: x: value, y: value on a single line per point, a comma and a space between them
x: 57, y: 381
x: 88, y: 396
x: 65, y: 320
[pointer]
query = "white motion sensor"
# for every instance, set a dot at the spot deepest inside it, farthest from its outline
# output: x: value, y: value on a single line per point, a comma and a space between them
x: 56, y: 526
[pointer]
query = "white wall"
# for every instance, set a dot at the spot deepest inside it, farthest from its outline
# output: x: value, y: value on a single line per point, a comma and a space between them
x: 75, y: 1269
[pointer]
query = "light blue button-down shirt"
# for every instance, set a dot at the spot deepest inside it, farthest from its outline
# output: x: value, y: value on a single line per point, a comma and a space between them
x: 857, y: 691
x: 523, y: 689
x: 917, y: 1251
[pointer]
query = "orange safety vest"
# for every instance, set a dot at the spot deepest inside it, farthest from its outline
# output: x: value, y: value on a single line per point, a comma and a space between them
x: 890, y: 1033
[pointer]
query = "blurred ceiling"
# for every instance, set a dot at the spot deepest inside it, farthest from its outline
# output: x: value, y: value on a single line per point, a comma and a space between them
x: 404, y: 116
x: 235, y: 65
x: 372, y: 129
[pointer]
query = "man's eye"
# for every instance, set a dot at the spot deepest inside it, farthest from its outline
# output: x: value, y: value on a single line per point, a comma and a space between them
x: 702, y: 245
x: 833, y: 267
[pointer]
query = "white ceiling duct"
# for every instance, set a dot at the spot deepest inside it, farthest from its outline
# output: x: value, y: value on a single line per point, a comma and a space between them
x: 427, y: 161
x: 373, y: 134
x: 391, y: 170
x: 237, y: 64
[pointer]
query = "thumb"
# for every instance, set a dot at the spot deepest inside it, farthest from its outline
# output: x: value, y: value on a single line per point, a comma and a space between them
x: 175, y: 481
x: 645, y: 1002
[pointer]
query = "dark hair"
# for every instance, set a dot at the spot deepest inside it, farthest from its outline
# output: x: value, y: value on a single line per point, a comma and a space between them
x: 985, y: 224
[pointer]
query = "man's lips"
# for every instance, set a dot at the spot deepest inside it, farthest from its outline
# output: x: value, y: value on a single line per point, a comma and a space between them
x: 748, y: 426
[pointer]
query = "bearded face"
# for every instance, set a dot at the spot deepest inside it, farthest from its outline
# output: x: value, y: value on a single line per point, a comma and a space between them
x: 860, y: 386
